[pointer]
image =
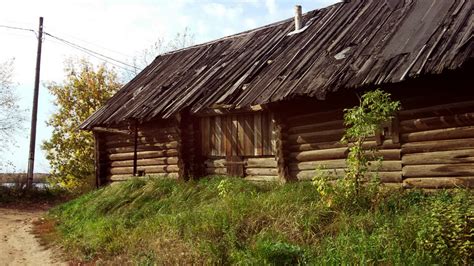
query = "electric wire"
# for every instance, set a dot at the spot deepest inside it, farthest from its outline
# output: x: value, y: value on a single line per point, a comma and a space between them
x: 95, y: 54
x: 100, y: 56
x: 16, y: 28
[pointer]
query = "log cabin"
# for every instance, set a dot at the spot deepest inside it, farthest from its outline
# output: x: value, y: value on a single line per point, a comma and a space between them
x: 267, y: 104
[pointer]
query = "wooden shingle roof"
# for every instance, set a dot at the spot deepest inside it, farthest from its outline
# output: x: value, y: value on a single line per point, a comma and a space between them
x: 346, y: 45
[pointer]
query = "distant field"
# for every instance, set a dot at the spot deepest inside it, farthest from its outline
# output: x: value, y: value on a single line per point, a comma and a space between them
x: 15, y: 177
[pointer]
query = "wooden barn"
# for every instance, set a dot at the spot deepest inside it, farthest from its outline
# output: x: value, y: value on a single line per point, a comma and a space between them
x: 267, y: 104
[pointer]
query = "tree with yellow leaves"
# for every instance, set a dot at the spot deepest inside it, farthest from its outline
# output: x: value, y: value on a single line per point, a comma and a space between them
x: 70, y: 151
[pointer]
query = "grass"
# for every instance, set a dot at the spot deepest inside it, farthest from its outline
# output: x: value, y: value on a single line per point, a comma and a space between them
x: 231, y: 221
x: 18, y: 197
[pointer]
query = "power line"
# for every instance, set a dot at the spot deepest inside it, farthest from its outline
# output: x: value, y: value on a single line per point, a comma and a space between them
x: 95, y: 54
x: 96, y: 45
x: 16, y: 28
x: 100, y: 56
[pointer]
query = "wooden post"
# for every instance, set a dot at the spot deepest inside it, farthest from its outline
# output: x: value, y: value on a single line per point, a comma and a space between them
x: 281, y: 152
x: 97, y: 160
x: 135, y: 146
x: 197, y: 168
x: 395, y: 129
x: 183, y: 156
x: 187, y: 136
x: 34, y: 111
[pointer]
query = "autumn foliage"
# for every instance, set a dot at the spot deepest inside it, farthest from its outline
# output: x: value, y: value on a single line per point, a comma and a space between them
x: 70, y: 151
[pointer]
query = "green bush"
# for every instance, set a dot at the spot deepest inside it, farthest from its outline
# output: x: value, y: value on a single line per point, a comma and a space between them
x: 280, y: 253
x: 446, y: 233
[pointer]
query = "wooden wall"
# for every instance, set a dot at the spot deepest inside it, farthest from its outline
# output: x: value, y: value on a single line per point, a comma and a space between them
x: 314, y: 142
x: 428, y: 147
x: 248, y: 137
x: 438, y: 145
x: 239, y: 135
x: 156, y: 151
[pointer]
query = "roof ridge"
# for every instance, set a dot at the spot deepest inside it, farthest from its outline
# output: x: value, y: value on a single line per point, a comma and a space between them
x: 236, y: 35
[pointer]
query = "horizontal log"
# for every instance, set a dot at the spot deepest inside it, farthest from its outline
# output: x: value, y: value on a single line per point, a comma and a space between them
x: 315, y: 155
x: 164, y: 175
x: 157, y: 131
x: 261, y: 162
x: 112, y: 130
x: 385, y: 177
x: 215, y: 163
x: 116, y: 178
x: 158, y: 169
x: 142, y: 155
x: 437, y: 122
x: 261, y: 171
x: 145, y: 147
x: 386, y: 166
x: 310, y: 174
x: 317, y: 146
x: 432, y: 170
x: 368, y: 144
x: 216, y: 171
x: 390, y: 177
x: 440, y: 157
x: 313, y: 137
x: 144, y: 162
x: 312, y: 118
x: 439, y: 134
x: 313, y: 165
x: 121, y: 141
x: 262, y: 178
x: 439, y: 145
x: 119, y: 177
x: 388, y: 155
x: 148, y: 169
x: 336, y: 124
x: 443, y: 109
x: 439, y: 182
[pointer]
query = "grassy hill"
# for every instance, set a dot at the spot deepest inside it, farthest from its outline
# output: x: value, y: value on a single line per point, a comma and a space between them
x: 230, y: 221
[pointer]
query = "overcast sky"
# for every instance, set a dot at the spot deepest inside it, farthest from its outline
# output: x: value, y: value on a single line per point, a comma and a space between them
x: 119, y: 29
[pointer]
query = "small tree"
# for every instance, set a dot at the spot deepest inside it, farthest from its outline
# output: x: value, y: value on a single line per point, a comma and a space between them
x: 146, y: 56
x: 70, y: 151
x: 362, y: 122
x: 12, y: 116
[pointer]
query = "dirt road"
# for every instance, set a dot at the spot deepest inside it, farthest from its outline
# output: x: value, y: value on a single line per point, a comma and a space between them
x: 18, y: 246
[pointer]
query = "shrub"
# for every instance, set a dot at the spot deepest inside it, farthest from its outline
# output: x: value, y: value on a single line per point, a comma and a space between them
x: 447, y: 232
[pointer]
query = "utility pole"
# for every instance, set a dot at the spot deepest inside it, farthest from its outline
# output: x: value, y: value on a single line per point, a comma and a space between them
x: 34, y: 114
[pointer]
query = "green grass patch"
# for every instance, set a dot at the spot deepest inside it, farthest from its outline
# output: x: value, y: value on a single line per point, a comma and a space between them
x: 231, y: 221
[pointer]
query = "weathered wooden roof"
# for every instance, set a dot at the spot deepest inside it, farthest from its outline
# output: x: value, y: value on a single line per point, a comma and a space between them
x: 346, y: 45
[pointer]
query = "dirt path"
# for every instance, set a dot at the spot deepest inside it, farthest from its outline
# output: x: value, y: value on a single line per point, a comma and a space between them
x: 18, y: 246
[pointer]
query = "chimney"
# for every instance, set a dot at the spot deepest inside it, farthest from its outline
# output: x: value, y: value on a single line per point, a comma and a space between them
x: 298, y: 18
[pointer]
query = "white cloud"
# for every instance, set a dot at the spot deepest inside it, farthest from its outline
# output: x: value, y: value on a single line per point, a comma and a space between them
x: 222, y: 11
x: 250, y: 23
x: 271, y: 6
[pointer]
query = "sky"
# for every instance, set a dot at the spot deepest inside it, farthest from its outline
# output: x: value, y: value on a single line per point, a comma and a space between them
x: 119, y: 29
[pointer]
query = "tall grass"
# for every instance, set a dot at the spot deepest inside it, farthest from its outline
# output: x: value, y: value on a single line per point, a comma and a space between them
x: 230, y: 221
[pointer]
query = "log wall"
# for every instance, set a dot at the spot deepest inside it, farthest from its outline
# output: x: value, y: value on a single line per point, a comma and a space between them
x: 156, y: 151
x: 255, y: 168
x: 314, y: 143
x: 428, y: 147
x: 438, y: 145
